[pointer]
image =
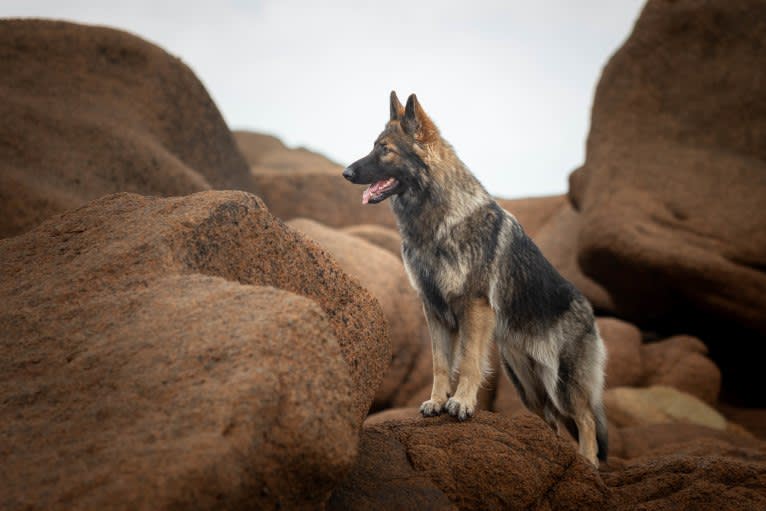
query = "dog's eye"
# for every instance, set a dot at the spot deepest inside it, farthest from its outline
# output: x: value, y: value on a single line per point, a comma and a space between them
x: 385, y: 149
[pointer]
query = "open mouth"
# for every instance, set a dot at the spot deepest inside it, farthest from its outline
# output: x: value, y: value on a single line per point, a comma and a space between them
x: 379, y: 190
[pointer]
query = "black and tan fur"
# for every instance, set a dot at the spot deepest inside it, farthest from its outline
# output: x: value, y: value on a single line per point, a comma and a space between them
x: 481, y: 278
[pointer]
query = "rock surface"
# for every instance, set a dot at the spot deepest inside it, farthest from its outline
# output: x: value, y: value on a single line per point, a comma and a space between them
x: 494, y: 462
x: 533, y: 212
x: 384, y: 237
x: 672, y: 190
x: 707, y: 475
x: 681, y: 362
x: 198, y: 353
x: 156, y: 354
x: 326, y: 198
x: 91, y: 110
x: 752, y: 419
x: 641, y: 441
x: 297, y: 183
x: 624, y: 363
x: 628, y: 406
x: 266, y: 153
x: 381, y: 273
x: 489, y: 462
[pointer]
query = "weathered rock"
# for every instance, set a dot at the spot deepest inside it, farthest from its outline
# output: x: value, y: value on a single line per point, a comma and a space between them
x: 384, y: 479
x: 681, y: 362
x: 705, y: 474
x: 266, y: 153
x: 416, y: 387
x: 270, y: 258
x: 150, y: 362
x: 624, y: 365
x: 649, y: 439
x: 381, y: 273
x: 383, y: 237
x: 297, y: 183
x: 488, y: 462
x: 493, y: 462
x: 533, y: 212
x: 672, y: 190
x: 507, y: 400
x: 90, y: 110
x: 752, y: 419
x: 392, y: 414
x: 627, y: 406
x: 326, y: 198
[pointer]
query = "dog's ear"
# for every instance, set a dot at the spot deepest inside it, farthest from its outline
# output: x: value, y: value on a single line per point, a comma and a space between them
x: 397, y: 110
x: 416, y: 123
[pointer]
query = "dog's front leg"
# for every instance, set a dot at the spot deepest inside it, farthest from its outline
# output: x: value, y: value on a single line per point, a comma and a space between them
x: 476, y: 329
x: 441, y: 351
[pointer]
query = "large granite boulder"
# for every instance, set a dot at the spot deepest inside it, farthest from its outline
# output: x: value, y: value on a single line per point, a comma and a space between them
x: 489, y: 462
x: 88, y: 111
x: 384, y: 237
x: 672, y: 191
x: 298, y: 183
x: 179, y: 353
x: 381, y: 273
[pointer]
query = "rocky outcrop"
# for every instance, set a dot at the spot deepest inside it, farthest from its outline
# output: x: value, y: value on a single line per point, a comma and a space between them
x: 298, y: 183
x: 190, y: 352
x: 267, y: 154
x: 495, y: 462
x: 644, y: 440
x: 381, y: 273
x: 672, y: 190
x: 624, y: 364
x: 629, y: 406
x: 702, y: 474
x: 198, y: 353
x: 384, y: 237
x: 89, y: 111
x: 489, y: 462
x: 534, y: 212
x: 682, y: 362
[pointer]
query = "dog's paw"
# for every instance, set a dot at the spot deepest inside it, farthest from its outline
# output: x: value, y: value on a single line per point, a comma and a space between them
x: 460, y: 409
x: 431, y: 408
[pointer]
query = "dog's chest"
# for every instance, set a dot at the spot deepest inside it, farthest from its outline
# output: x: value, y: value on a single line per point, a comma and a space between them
x: 435, y: 272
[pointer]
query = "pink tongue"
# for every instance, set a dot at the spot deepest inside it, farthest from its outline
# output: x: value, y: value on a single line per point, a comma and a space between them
x: 373, y: 188
x: 367, y: 194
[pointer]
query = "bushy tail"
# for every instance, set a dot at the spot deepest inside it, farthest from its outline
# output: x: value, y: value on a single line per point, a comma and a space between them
x: 602, y: 437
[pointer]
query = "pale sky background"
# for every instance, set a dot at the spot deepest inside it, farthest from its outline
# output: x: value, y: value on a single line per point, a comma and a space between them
x: 510, y: 84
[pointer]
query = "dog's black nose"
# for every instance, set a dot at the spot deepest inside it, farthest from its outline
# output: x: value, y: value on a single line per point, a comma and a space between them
x: 348, y: 174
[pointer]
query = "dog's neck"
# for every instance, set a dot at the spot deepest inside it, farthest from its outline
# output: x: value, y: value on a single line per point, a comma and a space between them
x: 447, y: 194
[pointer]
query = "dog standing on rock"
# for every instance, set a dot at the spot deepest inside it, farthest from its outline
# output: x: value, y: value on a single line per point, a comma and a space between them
x: 481, y: 277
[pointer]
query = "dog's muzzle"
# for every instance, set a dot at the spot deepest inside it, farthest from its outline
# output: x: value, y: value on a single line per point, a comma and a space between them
x: 349, y: 174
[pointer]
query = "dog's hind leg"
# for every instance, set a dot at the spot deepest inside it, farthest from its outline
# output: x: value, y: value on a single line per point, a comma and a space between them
x: 476, y: 328
x: 581, y: 390
x: 442, y: 341
x: 586, y: 414
x: 521, y: 371
x: 586, y: 426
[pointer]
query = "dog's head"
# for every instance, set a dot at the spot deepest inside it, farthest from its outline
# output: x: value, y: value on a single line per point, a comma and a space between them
x: 397, y: 161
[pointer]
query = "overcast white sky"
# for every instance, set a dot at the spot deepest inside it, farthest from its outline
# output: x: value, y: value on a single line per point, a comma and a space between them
x: 510, y: 83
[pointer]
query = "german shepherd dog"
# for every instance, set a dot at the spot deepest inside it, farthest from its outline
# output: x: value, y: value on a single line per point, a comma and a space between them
x: 480, y: 277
